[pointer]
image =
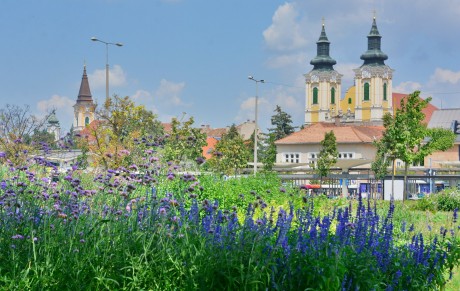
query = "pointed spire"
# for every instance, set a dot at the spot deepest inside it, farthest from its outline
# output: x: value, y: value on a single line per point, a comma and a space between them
x: 84, y: 94
x: 374, y: 55
x: 323, y: 61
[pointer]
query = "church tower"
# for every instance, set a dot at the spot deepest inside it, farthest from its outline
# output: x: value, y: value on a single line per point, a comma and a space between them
x: 53, y: 126
x: 323, y: 85
x: 84, y: 109
x: 373, y: 81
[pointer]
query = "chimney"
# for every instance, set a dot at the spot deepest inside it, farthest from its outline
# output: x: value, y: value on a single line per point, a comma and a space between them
x: 337, y: 120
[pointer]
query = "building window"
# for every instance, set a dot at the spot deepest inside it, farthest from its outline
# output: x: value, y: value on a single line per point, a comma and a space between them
x: 315, y: 96
x: 366, y: 91
x: 293, y: 158
x: 385, y: 92
x: 86, y: 120
x: 349, y: 100
x: 332, y: 95
x: 346, y: 155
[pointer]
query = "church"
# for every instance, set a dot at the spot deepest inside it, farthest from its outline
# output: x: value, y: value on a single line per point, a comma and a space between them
x: 356, y: 119
x: 364, y: 103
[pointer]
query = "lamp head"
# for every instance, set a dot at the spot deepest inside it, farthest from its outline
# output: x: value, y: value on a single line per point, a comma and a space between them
x: 250, y: 77
x: 94, y: 39
x: 262, y: 81
x: 119, y: 44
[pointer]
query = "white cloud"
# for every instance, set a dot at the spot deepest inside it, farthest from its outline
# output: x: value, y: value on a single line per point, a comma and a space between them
x: 117, y: 77
x: 247, y: 108
x: 63, y: 106
x: 170, y: 92
x: 407, y: 87
x: 145, y: 98
x: 285, y: 32
x: 289, y: 60
x: 55, y: 102
x: 444, y: 76
x: 346, y: 69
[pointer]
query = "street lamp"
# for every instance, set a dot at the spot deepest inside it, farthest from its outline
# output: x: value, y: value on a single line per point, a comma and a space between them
x: 106, y: 62
x: 255, y: 130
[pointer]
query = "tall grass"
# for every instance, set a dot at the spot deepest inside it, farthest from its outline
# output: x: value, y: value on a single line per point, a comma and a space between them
x: 163, y: 231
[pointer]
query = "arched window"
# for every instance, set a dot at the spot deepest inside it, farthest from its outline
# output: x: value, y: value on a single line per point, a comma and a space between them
x: 86, y: 120
x: 366, y: 91
x: 332, y: 95
x: 385, y: 92
x: 349, y: 100
x: 315, y: 96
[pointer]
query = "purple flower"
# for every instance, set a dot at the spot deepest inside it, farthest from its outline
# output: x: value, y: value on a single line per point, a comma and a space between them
x: 2, y: 155
x: 455, y: 215
x: 17, y: 236
x: 200, y: 160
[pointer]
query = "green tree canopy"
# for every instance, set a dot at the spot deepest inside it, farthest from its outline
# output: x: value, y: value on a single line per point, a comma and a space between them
x: 282, y: 127
x: 282, y: 124
x: 407, y: 137
x: 184, y: 143
x: 327, y: 156
x: 113, y: 139
x: 230, y: 155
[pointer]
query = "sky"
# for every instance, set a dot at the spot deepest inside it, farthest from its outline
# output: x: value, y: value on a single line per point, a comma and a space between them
x: 184, y: 58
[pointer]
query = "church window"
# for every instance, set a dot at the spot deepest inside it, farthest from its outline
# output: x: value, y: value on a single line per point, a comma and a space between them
x: 315, y: 96
x: 349, y: 100
x: 385, y: 92
x: 86, y: 120
x: 332, y: 95
x: 366, y: 91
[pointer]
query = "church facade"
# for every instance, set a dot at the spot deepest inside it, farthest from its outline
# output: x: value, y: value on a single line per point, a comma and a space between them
x: 364, y: 103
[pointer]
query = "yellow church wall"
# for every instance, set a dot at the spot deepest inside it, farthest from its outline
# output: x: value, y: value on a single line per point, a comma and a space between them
x: 366, y: 111
x: 344, y: 101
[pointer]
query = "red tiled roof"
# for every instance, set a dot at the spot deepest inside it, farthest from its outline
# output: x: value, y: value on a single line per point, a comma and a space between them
x: 343, y: 133
x: 214, y: 132
x: 397, y: 97
x: 167, y: 127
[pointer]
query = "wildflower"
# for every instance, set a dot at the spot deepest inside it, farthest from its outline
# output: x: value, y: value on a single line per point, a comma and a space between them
x: 200, y: 160
x: 162, y: 211
x: 17, y: 236
x: 2, y: 155
x: 282, y: 190
x: 62, y: 215
x: 82, y: 241
x: 455, y: 215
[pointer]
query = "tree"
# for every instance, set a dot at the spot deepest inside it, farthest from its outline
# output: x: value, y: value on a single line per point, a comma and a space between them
x: 327, y: 156
x: 17, y: 125
x: 282, y: 127
x: 407, y: 138
x: 282, y: 123
x: 111, y: 140
x: 230, y: 154
x: 184, y: 143
x: 268, y: 151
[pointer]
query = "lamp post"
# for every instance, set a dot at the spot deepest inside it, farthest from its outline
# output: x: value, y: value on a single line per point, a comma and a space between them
x: 106, y: 62
x: 255, y: 130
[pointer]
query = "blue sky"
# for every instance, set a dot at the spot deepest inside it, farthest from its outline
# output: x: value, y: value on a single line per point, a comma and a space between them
x: 195, y: 56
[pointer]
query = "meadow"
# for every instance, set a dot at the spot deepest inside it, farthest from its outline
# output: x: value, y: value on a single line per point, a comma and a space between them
x: 153, y: 226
